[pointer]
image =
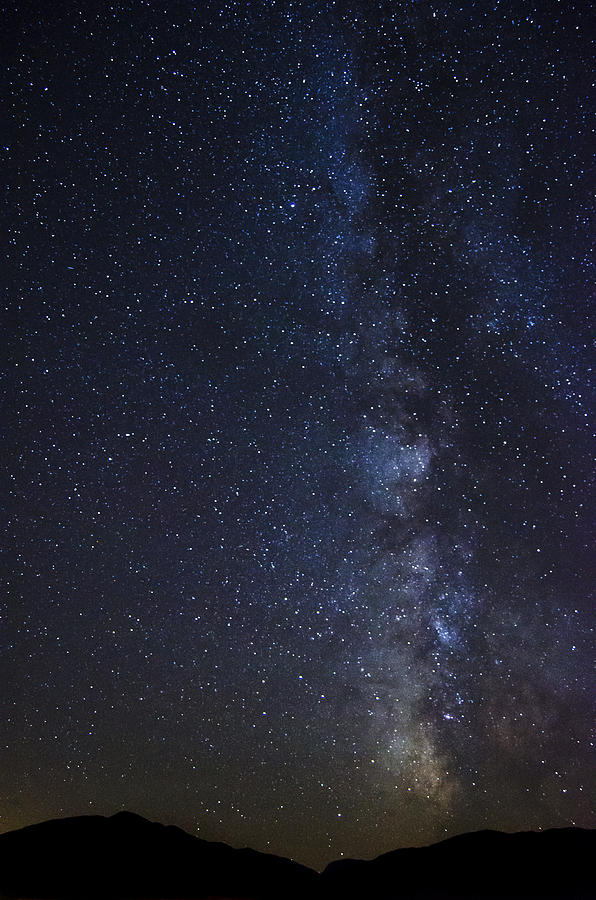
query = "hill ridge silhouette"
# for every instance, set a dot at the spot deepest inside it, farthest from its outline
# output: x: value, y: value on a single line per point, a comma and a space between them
x: 127, y: 857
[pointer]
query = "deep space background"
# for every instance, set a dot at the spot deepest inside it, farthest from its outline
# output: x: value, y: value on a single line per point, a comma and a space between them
x: 296, y: 418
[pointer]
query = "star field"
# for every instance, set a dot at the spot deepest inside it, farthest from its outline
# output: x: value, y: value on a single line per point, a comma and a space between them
x: 297, y: 418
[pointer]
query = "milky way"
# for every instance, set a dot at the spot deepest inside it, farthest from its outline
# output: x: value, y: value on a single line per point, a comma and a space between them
x: 297, y: 433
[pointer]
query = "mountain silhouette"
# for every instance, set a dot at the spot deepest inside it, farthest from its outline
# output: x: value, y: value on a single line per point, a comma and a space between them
x: 126, y: 857
x: 557, y: 863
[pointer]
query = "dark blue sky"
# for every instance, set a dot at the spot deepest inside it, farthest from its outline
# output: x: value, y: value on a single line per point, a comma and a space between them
x: 296, y: 407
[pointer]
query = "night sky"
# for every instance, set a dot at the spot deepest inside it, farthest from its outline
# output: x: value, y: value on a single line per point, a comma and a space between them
x: 296, y: 418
